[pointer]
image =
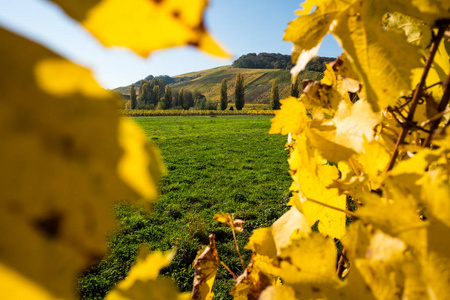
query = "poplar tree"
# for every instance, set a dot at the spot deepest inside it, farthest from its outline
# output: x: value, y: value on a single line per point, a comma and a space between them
x: 188, y: 99
x: 239, y: 92
x: 133, y: 97
x: 156, y: 94
x: 145, y: 93
x: 274, y: 97
x: 223, y: 95
x: 168, y: 96
x: 181, y: 98
x: 141, y: 85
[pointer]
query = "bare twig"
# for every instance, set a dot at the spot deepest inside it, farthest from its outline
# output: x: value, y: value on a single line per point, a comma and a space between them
x: 228, y: 269
x: 417, y: 94
x: 435, y: 117
x: 237, y: 248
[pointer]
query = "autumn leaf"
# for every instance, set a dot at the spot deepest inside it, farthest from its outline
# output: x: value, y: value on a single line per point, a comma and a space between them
x: 142, y: 281
x: 229, y: 220
x: 205, y: 266
x: 62, y: 157
x: 182, y: 24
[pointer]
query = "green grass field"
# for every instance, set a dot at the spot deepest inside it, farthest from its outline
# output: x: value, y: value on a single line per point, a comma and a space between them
x: 221, y: 163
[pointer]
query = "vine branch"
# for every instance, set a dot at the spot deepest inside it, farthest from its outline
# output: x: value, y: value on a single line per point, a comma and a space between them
x: 417, y: 95
x: 441, y: 109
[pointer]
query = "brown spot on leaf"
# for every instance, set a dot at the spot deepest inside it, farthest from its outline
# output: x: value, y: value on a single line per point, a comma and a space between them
x: 176, y: 14
x: 315, y: 289
x: 49, y: 225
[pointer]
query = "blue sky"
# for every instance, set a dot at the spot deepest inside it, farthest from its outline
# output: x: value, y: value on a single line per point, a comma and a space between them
x: 241, y: 26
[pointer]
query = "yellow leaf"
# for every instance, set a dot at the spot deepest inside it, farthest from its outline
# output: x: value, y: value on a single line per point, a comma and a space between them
x: 320, y: 100
x: 396, y: 214
x: 380, y: 268
x: 145, y: 26
x: 205, y: 266
x: 354, y: 124
x: 435, y: 194
x: 376, y: 52
x: 291, y: 118
x: 251, y: 283
x: 60, y: 77
x: 142, y: 282
x: 312, y: 176
x: 374, y: 168
x: 228, y: 219
x: 282, y: 292
x: 61, y: 154
x: 139, y: 154
x: 307, y: 31
x: 332, y: 151
x: 291, y: 224
x: 161, y: 289
x: 307, y: 264
x: 16, y: 286
x: 262, y: 242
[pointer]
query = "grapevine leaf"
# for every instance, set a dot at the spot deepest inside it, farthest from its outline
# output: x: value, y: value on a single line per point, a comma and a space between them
x: 291, y: 224
x: 62, y: 156
x: 250, y: 284
x: 321, y: 100
x: 381, y: 268
x: 229, y: 220
x: 354, y: 124
x: 416, y: 31
x: 142, y: 282
x: 435, y: 194
x: 376, y: 52
x: 312, y: 177
x: 398, y: 216
x: 325, y: 145
x: 154, y: 24
x: 205, y: 266
x: 307, y: 265
x: 374, y: 168
x: 427, y: 10
x: 308, y: 30
x: 291, y: 118
x: 262, y: 242
x: 283, y: 292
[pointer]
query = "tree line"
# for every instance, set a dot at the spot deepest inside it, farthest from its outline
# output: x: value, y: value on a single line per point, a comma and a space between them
x: 278, y: 61
x: 155, y: 94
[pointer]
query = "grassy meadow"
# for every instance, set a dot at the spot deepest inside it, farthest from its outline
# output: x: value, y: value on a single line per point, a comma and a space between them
x: 220, y: 163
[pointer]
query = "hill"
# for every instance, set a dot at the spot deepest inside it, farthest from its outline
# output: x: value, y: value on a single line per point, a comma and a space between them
x: 258, y: 82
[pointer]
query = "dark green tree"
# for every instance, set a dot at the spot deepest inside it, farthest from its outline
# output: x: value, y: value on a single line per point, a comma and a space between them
x: 141, y: 84
x: 175, y: 101
x: 188, y: 99
x: 156, y: 95
x: 146, y: 93
x: 181, y: 98
x: 223, y: 95
x: 295, y: 92
x: 274, y: 97
x: 239, y: 92
x: 133, y: 97
x: 168, y: 96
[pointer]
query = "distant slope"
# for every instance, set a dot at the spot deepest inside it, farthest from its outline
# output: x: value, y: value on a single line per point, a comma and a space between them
x: 258, y: 82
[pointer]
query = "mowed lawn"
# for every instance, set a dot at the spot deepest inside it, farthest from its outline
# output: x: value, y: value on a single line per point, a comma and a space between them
x: 215, y: 164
